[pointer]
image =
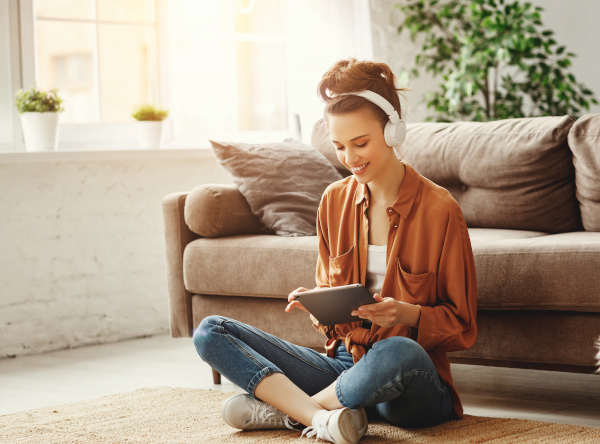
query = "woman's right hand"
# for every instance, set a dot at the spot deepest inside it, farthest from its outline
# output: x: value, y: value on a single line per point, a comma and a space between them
x: 293, y: 303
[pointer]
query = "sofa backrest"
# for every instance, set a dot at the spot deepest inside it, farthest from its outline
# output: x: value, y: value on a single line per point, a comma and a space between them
x: 584, y: 141
x: 513, y: 174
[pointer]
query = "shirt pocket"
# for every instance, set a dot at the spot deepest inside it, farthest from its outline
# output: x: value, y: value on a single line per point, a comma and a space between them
x: 414, y: 288
x: 341, y: 268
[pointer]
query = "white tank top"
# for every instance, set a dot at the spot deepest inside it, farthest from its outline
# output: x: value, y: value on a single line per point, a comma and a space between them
x: 375, y: 268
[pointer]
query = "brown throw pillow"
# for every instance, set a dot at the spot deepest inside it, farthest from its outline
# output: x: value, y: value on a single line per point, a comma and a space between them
x: 514, y: 173
x: 216, y: 210
x: 282, y: 182
x: 584, y: 140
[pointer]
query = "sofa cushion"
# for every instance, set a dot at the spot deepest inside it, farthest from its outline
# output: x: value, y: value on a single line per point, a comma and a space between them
x: 584, y: 140
x: 216, y: 210
x: 254, y: 265
x: 282, y: 182
x: 514, y: 173
x: 523, y: 270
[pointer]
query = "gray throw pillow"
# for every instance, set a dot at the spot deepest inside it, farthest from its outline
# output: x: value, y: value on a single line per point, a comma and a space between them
x: 282, y: 182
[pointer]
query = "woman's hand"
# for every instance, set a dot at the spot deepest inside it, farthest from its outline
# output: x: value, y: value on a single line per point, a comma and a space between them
x: 387, y: 312
x: 292, y: 300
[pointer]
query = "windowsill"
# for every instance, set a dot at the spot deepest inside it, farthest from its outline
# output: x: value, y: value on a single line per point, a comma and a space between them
x: 128, y: 148
x: 113, y: 154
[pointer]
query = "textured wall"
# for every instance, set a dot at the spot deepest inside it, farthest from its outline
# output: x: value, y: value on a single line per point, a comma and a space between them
x: 81, y: 244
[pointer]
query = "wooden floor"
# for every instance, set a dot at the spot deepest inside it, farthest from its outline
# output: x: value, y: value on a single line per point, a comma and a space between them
x: 48, y: 379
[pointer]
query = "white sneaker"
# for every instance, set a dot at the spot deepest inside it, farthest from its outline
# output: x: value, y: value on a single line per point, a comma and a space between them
x: 244, y: 412
x: 341, y: 426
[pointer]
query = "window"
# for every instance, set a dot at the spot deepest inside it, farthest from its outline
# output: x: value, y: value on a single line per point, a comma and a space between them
x: 100, y: 54
x: 243, y: 69
x: 227, y: 64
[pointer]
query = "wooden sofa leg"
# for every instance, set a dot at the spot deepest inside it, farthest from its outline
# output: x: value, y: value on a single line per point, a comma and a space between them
x: 216, y: 376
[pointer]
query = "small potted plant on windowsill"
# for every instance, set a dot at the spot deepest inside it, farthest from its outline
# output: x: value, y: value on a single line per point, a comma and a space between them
x: 150, y: 125
x: 39, y: 112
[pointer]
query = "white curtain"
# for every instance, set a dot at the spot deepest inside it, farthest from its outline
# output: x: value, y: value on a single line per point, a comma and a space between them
x: 319, y: 33
x: 230, y: 84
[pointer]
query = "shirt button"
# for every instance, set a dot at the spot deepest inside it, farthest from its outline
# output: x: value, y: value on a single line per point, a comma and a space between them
x: 464, y: 187
x: 395, y: 226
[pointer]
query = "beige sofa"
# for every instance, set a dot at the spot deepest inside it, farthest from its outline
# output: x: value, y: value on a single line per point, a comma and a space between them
x: 530, y: 193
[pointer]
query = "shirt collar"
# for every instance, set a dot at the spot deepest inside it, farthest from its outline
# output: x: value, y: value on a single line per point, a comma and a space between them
x: 406, y: 196
x: 362, y: 193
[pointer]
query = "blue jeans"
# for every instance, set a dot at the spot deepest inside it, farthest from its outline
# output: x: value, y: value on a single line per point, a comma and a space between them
x: 395, y: 380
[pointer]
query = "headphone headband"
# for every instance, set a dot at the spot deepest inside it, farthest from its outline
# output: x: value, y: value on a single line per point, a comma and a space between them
x: 395, y: 129
x: 378, y: 100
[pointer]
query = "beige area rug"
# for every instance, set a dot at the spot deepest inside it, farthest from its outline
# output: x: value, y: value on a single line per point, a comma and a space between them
x: 176, y: 415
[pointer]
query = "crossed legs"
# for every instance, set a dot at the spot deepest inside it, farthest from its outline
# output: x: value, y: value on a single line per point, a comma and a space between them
x: 396, y: 376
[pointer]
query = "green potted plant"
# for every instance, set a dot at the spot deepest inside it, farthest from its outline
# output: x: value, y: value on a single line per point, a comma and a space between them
x: 39, y: 111
x: 150, y: 125
x: 494, y: 60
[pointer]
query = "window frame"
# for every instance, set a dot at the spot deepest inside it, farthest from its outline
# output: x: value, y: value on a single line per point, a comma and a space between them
x: 10, y: 78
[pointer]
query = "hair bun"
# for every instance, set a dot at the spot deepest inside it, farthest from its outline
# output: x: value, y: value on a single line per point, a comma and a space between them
x: 352, y: 75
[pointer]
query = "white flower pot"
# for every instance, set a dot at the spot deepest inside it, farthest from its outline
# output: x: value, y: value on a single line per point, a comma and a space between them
x: 40, y: 131
x: 149, y: 134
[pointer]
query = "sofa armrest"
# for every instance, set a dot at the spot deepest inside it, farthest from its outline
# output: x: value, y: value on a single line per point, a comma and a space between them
x: 177, y: 236
x: 218, y: 210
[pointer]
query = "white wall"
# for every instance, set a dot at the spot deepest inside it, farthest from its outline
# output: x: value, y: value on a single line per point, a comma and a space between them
x: 574, y: 23
x: 81, y: 244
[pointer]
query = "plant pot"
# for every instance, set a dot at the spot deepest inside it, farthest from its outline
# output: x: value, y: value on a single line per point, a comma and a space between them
x: 40, y: 131
x: 149, y: 134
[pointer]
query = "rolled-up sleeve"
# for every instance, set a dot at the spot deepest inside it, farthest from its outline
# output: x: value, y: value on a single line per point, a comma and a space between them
x: 450, y: 324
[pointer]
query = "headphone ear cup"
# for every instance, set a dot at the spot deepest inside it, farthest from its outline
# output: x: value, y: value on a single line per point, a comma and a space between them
x: 395, y: 133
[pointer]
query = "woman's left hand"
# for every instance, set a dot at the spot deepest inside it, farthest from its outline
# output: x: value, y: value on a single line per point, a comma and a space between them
x: 384, y: 312
x: 387, y: 312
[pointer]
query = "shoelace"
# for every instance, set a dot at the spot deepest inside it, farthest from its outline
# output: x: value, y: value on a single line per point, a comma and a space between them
x: 319, y: 430
x: 266, y: 413
x: 309, y: 432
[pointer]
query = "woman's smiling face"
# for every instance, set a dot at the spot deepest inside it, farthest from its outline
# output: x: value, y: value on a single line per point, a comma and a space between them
x: 359, y: 143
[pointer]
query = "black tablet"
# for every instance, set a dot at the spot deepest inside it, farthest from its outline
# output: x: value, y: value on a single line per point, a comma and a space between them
x: 334, y: 305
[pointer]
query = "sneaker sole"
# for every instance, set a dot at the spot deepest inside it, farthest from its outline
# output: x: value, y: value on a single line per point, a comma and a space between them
x: 360, y: 421
x: 347, y: 431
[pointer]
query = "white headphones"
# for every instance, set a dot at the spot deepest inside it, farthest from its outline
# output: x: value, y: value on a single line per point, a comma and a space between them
x: 395, y: 130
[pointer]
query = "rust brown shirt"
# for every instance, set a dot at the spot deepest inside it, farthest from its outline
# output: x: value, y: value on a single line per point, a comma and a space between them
x: 429, y: 263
